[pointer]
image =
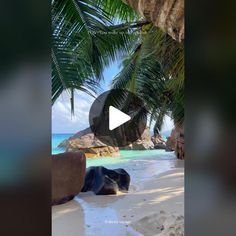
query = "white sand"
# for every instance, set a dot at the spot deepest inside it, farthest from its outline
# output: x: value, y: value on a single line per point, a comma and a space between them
x: 153, y: 206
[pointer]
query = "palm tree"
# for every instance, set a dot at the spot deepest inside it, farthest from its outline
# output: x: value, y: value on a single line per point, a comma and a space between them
x: 88, y: 35
x: 83, y: 44
x: 154, y: 70
x: 167, y: 15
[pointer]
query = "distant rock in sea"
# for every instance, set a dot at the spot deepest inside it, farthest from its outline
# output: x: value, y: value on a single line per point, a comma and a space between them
x: 145, y: 143
x: 175, y: 142
x: 92, y: 147
x: 159, y: 142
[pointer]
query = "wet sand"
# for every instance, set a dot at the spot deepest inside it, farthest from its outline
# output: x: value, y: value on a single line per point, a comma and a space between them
x: 153, y: 206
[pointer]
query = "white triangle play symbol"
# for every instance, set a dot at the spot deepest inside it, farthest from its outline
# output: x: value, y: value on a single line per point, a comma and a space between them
x: 116, y: 118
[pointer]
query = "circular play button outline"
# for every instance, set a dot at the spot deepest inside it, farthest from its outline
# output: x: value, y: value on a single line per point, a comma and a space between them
x: 118, y: 117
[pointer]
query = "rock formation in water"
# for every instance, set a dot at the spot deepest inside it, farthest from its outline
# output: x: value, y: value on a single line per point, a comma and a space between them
x: 68, y: 173
x: 159, y: 142
x: 103, y: 181
x: 145, y: 143
x: 176, y: 142
x: 171, y: 141
x: 89, y: 144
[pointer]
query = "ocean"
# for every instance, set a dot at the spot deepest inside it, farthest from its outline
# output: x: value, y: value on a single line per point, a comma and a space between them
x: 114, y: 162
x: 56, y: 140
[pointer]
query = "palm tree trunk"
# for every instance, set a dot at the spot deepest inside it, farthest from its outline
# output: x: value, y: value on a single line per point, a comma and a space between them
x: 168, y: 15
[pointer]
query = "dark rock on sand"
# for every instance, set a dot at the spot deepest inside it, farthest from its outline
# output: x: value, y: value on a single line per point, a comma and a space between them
x: 103, y: 181
x: 68, y: 173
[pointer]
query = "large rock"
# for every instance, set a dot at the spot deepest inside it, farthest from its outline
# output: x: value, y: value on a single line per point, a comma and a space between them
x: 144, y: 143
x: 89, y: 144
x: 179, y: 151
x: 159, y: 142
x: 160, y: 146
x: 68, y: 173
x: 171, y: 141
x: 176, y: 142
x: 103, y: 181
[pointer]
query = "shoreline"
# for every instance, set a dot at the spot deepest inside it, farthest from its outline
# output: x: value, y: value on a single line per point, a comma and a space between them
x: 152, y: 194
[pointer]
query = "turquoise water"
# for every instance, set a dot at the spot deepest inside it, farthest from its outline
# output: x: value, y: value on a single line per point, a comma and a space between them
x: 56, y: 140
x: 124, y: 157
x: 129, y: 156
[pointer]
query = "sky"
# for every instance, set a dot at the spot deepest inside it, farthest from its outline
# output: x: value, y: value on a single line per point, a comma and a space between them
x: 64, y: 122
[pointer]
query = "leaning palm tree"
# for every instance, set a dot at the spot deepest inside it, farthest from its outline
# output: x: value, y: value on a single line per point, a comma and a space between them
x: 83, y: 44
x: 154, y: 70
x: 88, y: 35
x: 169, y: 17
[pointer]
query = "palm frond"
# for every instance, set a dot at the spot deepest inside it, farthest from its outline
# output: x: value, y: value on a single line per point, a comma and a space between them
x: 156, y: 66
x: 84, y: 43
x: 119, y: 10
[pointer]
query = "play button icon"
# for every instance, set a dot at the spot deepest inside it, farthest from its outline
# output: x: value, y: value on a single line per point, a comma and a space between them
x: 117, y: 118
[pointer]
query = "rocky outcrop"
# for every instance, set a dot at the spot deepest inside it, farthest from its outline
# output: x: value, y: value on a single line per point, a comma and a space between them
x: 89, y: 144
x: 103, y: 181
x: 145, y: 143
x: 160, y: 146
x: 159, y: 142
x: 142, y: 145
x: 176, y: 142
x: 171, y: 141
x: 68, y: 173
x: 179, y: 150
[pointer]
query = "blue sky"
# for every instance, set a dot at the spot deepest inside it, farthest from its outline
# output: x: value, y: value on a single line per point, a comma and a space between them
x: 63, y: 122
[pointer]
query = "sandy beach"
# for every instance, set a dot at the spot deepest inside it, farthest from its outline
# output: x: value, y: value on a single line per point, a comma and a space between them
x: 153, y: 206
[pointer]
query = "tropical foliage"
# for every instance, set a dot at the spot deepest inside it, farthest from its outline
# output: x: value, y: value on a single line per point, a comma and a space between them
x: 84, y: 43
x: 89, y: 35
x: 154, y: 69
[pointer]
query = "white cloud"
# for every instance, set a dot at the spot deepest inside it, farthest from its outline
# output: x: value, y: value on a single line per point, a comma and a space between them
x: 63, y: 121
x: 168, y: 124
